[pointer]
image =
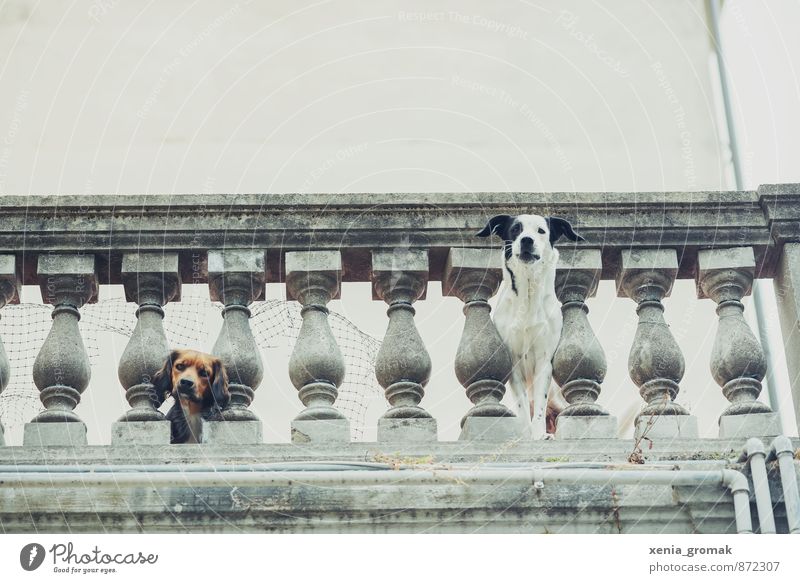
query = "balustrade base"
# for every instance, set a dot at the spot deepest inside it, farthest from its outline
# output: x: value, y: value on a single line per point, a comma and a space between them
x: 736, y: 426
x: 492, y: 429
x: 232, y: 432
x: 405, y: 430
x: 320, y: 431
x: 71, y: 433
x: 586, y: 427
x: 667, y: 427
x: 140, y: 432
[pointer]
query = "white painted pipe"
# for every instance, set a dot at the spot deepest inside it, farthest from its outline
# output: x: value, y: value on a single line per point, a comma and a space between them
x: 730, y: 479
x: 782, y: 449
x: 755, y: 454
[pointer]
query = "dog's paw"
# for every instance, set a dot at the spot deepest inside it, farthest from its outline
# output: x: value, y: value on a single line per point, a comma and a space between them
x: 549, y: 436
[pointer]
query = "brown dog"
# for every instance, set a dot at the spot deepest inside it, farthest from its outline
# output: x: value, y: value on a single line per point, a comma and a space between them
x: 199, y: 385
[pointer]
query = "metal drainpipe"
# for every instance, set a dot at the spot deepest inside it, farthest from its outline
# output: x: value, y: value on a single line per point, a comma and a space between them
x: 782, y: 449
x: 733, y: 480
x: 755, y: 454
x: 758, y: 289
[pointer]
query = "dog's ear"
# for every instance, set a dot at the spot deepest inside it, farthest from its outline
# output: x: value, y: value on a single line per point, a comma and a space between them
x: 497, y: 225
x: 559, y: 227
x: 162, y: 380
x: 219, y: 387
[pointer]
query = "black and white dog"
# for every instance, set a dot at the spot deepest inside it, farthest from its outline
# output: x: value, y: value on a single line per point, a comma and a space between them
x: 528, y: 314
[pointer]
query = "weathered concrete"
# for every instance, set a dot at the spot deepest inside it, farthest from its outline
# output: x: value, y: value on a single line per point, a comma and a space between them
x: 151, y: 280
x: 320, y: 431
x: 402, y: 430
x: 62, y: 369
x: 402, y: 365
x: 667, y: 427
x: 586, y: 427
x: 492, y: 429
x: 232, y: 432
x: 140, y: 433
x: 579, y: 363
x: 236, y: 278
x: 749, y: 424
x: 483, y: 362
x: 738, y: 363
x: 443, y: 505
x: 686, y: 221
x: 787, y: 294
x: 9, y: 293
x: 440, y: 505
x: 446, y: 452
x: 655, y: 362
x: 65, y: 433
x: 316, y: 366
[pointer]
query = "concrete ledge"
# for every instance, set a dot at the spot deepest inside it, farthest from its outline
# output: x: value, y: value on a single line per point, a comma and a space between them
x: 667, y: 427
x: 752, y: 425
x: 232, y: 432
x: 492, y: 429
x: 405, y: 430
x: 586, y: 427
x: 140, y: 433
x: 321, y: 431
x: 447, y: 452
x: 46, y: 434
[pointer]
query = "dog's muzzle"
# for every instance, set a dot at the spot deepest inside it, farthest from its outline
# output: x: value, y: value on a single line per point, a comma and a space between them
x: 186, y: 390
x: 526, y: 251
x: 528, y: 257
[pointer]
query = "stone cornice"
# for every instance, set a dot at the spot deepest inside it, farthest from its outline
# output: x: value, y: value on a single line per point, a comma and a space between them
x: 360, y: 223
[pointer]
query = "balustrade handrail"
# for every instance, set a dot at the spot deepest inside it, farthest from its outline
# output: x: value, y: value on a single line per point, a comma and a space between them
x: 357, y: 224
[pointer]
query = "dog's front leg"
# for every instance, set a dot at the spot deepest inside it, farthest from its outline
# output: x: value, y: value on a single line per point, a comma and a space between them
x: 542, y: 378
x: 519, y: 390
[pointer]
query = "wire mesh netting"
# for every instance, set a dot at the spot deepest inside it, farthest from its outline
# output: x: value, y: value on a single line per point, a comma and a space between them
x: 274, y: 323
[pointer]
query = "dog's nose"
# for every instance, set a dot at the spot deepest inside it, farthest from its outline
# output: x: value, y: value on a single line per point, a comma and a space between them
x: 526, y: 242
x: 186, y: 384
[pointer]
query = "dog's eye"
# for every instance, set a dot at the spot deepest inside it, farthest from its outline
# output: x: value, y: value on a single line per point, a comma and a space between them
x: 203, y: 372
x: 180, y: 366
x: 541, y: 231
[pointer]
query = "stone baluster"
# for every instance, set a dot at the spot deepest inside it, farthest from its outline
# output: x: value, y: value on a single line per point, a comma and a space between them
x: 62, y: 370
x: 483, y: 363
x: 579, y: 364
x: 9, y: 294
x: 403, y: 365
x: 151, y: 280
x: 316, y: 367
x: 787, y: 296
x: 655, y: 362
x: 236, y: 278
x: 737, y: 360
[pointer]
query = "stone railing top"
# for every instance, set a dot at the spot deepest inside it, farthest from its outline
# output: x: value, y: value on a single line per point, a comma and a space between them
x: 358, y: 224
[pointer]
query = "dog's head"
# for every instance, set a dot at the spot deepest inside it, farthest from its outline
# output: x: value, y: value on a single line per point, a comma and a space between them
x: 529, y: 238
x: 195, y: 379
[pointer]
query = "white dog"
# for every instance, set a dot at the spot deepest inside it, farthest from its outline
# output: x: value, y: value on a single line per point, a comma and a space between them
x: 528, y: 314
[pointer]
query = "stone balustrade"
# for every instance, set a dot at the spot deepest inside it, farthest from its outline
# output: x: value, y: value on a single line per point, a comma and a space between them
x: 75, y: 245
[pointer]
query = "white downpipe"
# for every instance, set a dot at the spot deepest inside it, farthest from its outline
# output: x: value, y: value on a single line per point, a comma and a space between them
x: 782, y: 449
x: 731, y: 479
x: 755, y: 454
